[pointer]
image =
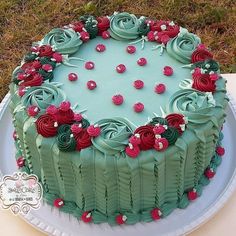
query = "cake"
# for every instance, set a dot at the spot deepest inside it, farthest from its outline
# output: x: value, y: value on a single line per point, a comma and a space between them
x: 119, y: 116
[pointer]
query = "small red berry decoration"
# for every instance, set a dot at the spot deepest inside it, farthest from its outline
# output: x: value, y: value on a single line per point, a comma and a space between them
x: 57, y: 57
x: 138, y: 107
x: 51, y: 110
x: 135, y: 139
x: 65, y: 106
x: 47, y: 67
x: 76, y: 128
x: 91, y: 85
x: 33, y: 111
x: 209, y: 173
x: 20, y: 162
x: 84, y: 36
x: 160, y: 88
x: 132, y: 150
x: 94, y: 130
x: 161, y: 144
x: 142, y: 61
x: 192, y: 195
x: 121, y: 68
x: 58, y: 202
x: 100, y: 48
x: 159, y: 129
x: 21, y: 76
x: 152, y: 36
x: 131, y: 49
x: 156, y: 214
x: 105, y: 35
x: 21, y: 91
x: 117, y: 99
x: 89, y: 65
x: 214, y: 76
x: 120, y: 219
x: 168, y: 71
x: 78, y: 117
x: 86, y: 217
x: 220, y: 151
x: 138, y: 84
x: 14, y: 135
x: 72, y: 77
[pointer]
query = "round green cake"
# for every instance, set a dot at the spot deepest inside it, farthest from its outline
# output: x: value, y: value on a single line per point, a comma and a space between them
x: 119, y: 116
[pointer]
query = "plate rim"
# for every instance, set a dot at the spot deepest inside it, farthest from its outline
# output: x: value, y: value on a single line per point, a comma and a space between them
x: 43, y: 226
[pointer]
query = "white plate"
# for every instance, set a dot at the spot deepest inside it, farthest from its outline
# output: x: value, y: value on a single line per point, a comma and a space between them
x: 180, y: 222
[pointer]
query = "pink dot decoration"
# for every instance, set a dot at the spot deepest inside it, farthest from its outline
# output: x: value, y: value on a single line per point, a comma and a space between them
x: 121, y: 68
x: 105, y: 35
x: 84, y: 36
x: 160, y: 88
x: 117, y: 99
x: 72, y: 77
x: 91, y: 85
x: 168, y: 71
x: 47, y: 67
x: 131, y: 49
x: 89, y: 65
x: 142, y: 61
x: 138, y: 84
x: 138, y: 107
x: 100, y: 48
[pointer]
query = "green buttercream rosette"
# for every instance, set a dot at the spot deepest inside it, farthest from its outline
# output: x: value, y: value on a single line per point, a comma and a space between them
x: 124, y: 26
x: 64, y: 41
x: 114, y: 135
x: 182, y: 46
x: 43, y: 96
x: 158, y: 120
x: 66, y: 142
x: 195, y: 105
x: 207, y: 65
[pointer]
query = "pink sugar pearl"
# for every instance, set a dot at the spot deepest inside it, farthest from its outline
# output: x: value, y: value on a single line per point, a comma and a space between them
x: 138, y: 84
x: 168, y: 71
x: 117, y: 99
x: 72, y: 77
x: 131, y: 49
x: 91, y: 85
x: 160, y: 88
x: 105, y: 35
x: 89, y: 65
x: 100, y: 48
x: 121, y: 68
x: 138, y: 107
x: 142, y: 61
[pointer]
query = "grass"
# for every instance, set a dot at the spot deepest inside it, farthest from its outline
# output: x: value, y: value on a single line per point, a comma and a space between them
x: 25, y: 21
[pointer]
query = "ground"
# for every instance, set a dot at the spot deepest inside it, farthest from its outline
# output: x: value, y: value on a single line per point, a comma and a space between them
x: 25, y: 21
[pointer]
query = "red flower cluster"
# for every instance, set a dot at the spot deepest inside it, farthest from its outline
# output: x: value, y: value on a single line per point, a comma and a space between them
x: 176, y: 120
x: 203, y: 82
x: 201, y: 54
x: 162, y: 31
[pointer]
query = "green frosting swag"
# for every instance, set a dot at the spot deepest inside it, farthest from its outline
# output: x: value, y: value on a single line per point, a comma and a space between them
x: 65, y: 41
x: 182, y: 46
x: 196, y: 105
x: 114, y: 135
x: 43, y: 96
x: 124, y: 26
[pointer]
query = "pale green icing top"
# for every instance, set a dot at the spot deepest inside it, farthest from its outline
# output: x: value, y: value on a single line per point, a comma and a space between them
x: 65, y: 41
x: 98, y: 102
x: 183, y: 45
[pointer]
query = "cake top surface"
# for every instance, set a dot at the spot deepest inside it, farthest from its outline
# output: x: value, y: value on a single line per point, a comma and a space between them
x: 121, y: 83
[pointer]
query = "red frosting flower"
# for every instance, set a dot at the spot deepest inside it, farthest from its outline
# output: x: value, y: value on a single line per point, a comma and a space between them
x: 147, y: 137
x: 83, y: 140
x: 32, y: 80
x: 78, y: 26
x: 176, y: 120
x: 65, y: 117
x: 103, y: 24
x: 45, y: 51
x: 203, y: 82
x: 45, y: 125
x: 201, y: 54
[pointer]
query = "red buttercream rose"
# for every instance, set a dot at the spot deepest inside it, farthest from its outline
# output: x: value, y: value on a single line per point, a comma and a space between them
x: 175, y: 120
x: 45, y: 51
x: 203, y: 82
x: 103, y: 24
x: 147, y: 137
x: 32, y: 80
x: 65, y: 117
x: 45, y: 125
x: 78, y: 26
x: 83, y: 140
x: 201, y: 54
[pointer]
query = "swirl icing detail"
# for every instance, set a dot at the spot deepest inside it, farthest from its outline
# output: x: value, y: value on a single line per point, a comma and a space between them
x: 124, y: 26
x: 114, y: 135
x: 196, y: 105
x: 65, y: 41
x: 43, y: 96
x: 182, y: 46
x: 45, y: 126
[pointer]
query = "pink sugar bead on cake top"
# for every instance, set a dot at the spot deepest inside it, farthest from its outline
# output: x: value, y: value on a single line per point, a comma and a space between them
x: 168, y: 71
x: 121, y: 68
x: 91, y: 85
x: 138, y: 84
x: 89, y: 65
x: 72, y: 77
x: 100, y: 48
x: 131, y: 49
x: 106, y: 35
x: 138, y: 107
x: 117, y: 99
x: 142, y: 61
x: 160, y: 88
